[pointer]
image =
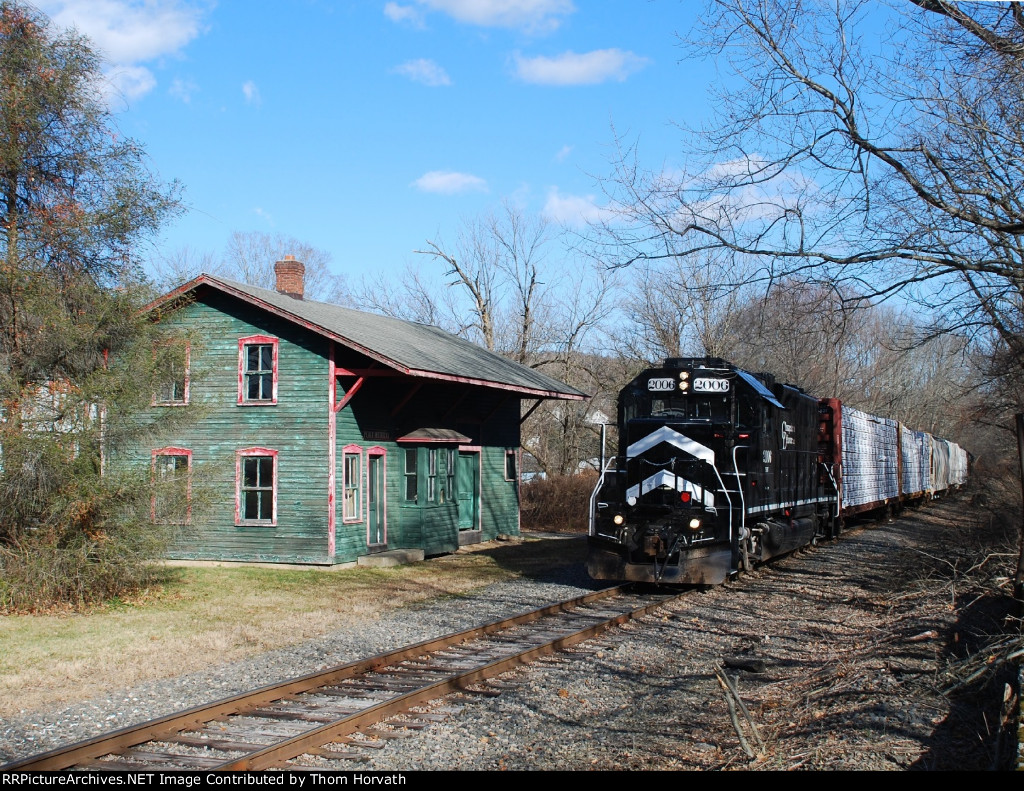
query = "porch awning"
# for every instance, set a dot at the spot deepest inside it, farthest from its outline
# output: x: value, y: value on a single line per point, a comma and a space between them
x: 438, y: 435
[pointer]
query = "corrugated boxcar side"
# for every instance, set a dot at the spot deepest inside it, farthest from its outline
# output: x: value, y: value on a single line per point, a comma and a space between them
x: 870, y: 455
x: 915, y: 452
x: 941, y: 451
x: 958, y: 466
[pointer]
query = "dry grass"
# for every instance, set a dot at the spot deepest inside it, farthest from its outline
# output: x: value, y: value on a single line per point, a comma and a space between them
x: 558, y: 502
x: 202, y: 616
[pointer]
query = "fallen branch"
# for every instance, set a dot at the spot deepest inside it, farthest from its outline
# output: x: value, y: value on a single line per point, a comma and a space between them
x: 732, y: 715
x: 729, y: 686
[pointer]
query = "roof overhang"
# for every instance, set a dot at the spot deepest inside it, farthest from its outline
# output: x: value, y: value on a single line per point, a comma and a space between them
x: 178, y: 294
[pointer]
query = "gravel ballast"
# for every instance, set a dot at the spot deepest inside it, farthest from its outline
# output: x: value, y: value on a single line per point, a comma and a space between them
x: 853, y: 655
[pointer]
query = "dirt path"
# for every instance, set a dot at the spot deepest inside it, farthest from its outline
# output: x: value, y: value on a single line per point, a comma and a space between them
x: 864, y: 647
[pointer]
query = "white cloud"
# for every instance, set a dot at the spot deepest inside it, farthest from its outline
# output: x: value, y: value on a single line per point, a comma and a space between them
x: 424, y: 71
x: 183, y: 89
x: 403, y: 13
x: 252, y: 93
x: 746, y: 190
x: 563, y: 153
x: 447, y: 182
x: 130, y: 32
x: 131, y: 82
x: 588, y: 68
x: 533, y: 16
x: 573, y: 210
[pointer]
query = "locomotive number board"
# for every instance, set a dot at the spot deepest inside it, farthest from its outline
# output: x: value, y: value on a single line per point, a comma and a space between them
x: 703, y: 385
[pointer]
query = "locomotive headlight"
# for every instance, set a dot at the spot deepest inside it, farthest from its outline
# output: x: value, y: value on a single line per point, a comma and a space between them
x: 694, y: 524
x: 684, y: 375
x: 618, y: 519
x: 684, y: 386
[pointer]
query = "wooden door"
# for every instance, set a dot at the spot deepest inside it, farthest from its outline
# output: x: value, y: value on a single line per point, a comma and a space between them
x: 375, y: 501
x: 467, y: 484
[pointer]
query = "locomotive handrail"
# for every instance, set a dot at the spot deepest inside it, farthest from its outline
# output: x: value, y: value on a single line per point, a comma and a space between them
x: 725, y: 491
x: 831, y: 477
x: 593, y: 495
x: 689, y: 411
x: 739, y: 488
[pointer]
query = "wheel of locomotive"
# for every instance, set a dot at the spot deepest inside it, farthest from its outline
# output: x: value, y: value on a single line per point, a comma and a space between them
x: 745, y: 563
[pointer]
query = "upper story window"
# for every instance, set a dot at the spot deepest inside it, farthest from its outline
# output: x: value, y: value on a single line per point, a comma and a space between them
x: 172, y: 362
x: 172, y: 485
x: 256, y: 487
x: 257, y: 370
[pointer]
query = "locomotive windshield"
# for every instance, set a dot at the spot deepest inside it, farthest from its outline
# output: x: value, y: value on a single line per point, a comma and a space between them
x: 714, y: 409
x: 737, y: 405
x: 675, y: 406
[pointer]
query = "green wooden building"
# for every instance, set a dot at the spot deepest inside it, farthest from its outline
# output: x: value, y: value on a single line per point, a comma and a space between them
x: 325, y: 434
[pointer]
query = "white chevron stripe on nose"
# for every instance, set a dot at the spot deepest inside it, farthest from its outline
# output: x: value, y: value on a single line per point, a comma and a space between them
x: 672, y: 437
x: 665, y: 478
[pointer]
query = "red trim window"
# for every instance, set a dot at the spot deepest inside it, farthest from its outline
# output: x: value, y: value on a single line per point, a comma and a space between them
x: 172, y: 362
x: 257, y: 370
x: 172, y: 486
x: 351, y: 483
x: 256, y: 487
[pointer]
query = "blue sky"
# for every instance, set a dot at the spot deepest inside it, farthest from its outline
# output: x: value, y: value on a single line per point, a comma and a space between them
x: 366, y: 128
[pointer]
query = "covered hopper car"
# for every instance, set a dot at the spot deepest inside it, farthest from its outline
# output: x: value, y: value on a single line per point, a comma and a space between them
x: 719, y: 469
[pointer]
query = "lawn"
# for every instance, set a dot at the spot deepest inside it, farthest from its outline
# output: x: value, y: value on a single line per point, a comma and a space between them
x: 199, y: 616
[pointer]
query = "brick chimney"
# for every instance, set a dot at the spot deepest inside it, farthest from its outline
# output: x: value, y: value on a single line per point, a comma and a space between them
x: 290, y: 275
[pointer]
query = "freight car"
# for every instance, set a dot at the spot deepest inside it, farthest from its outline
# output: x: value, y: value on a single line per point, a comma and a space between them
x: 719, y: 469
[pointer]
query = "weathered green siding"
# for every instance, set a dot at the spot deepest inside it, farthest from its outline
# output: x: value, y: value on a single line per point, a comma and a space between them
x: 296, y: 427
x: 380, y: 409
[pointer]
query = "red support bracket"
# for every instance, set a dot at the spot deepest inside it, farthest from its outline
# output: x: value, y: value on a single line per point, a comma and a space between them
x: 348, y: 393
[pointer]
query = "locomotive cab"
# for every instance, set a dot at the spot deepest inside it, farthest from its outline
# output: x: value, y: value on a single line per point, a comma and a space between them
x: 716, y: 469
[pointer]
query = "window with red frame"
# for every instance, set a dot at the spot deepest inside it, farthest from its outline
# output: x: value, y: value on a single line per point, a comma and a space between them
x: 172, y: 360
x: 172, y: 485
x: 351, y: 458
x: 257, y: 370
x: 256, y: 487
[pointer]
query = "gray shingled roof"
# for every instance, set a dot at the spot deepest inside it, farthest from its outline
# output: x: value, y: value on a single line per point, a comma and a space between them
x: 417, y: 349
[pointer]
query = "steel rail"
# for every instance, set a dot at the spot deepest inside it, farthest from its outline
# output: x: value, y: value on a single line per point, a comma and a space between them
x: 167, y: 727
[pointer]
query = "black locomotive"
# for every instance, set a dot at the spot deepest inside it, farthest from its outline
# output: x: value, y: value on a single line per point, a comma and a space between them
x: 719, y: 469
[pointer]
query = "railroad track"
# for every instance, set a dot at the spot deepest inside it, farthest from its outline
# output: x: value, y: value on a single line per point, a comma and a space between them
x: 322, y: 714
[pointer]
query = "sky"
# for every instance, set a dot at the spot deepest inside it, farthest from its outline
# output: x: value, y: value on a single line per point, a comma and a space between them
x: 368, y: 128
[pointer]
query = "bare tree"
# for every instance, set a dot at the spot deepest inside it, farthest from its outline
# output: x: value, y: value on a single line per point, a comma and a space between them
x: 249, y: 257
x: 172, y: 268
x: 870, y: 356
x: 684, y: 306
x: 877, y: 145
x: 509, y: 285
